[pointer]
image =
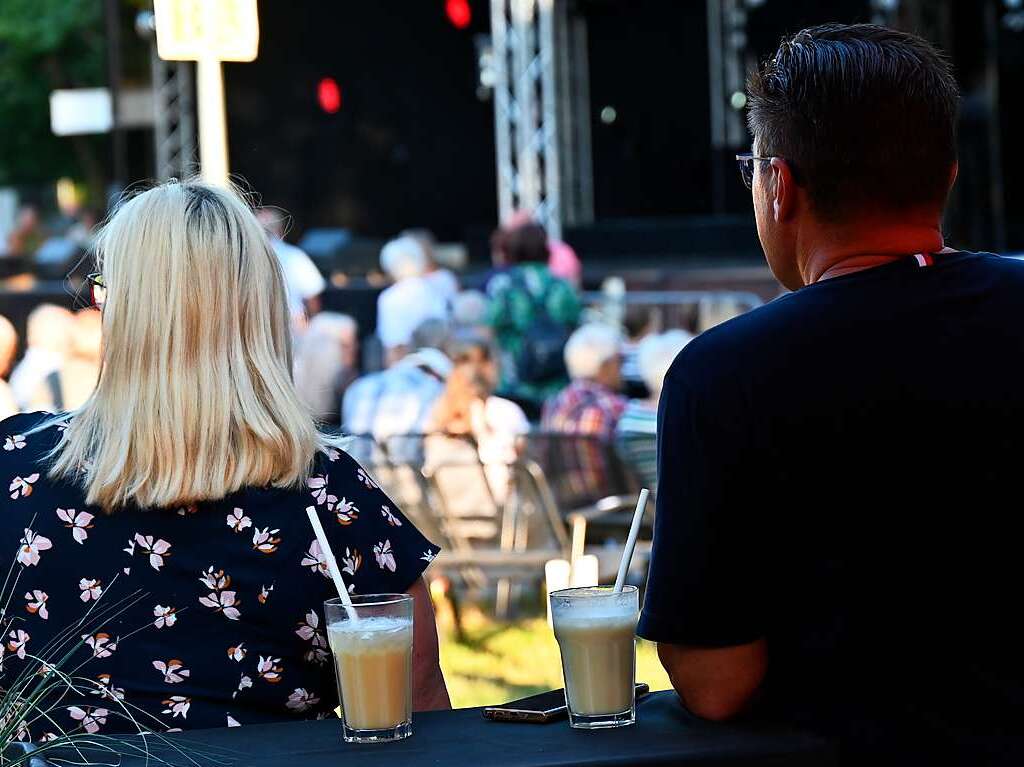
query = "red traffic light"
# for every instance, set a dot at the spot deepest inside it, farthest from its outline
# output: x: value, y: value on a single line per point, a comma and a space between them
x: 458, y: 12
x: 328, y: 95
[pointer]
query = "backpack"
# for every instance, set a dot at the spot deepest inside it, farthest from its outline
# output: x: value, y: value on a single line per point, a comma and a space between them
x: 541, y: 356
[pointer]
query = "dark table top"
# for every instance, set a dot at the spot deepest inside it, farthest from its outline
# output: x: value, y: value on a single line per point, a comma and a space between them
x: 663, y: 735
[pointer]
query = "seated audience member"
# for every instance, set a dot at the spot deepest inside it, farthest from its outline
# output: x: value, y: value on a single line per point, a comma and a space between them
x: 836, y: 542
x: 590, y: 404
x: 400, y: 399
x: 410, y: 301
x: 49, y: 334
x: 196, y: 451
x: 70, y: 385
x: 638, y: 322
x: 468, y: 408
x: 442, y: 280
x: 8, y: 348
x: 27, y: 234
x: 302, y: 278
x: 469, y: 313
x: 326, y: 362
x: 532, y: 314
x: 636, y: 433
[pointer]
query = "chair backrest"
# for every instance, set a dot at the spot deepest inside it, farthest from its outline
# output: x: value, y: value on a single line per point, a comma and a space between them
x: 470, y: 509
x: 580, y: 469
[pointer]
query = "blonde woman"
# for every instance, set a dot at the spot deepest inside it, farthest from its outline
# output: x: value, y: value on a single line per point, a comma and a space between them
x: 185, y: 477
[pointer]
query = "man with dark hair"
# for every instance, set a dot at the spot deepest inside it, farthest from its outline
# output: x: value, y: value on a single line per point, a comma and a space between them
x: 832, y: 546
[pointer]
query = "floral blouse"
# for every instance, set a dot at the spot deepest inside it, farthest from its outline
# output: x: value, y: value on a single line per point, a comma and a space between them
x: 229, y: 629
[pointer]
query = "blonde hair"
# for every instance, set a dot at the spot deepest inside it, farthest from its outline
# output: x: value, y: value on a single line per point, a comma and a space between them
x: 195, y: 398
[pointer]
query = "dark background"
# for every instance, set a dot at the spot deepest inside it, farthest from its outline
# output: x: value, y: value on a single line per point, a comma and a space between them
x: 413, y: 144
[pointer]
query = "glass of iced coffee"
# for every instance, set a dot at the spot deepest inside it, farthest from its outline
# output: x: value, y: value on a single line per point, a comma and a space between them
x: 372, y: 646
x: 595, y: 628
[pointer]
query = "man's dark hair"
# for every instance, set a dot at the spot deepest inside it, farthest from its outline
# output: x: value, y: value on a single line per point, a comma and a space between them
x: 527, y: 243
x: 865, y: 116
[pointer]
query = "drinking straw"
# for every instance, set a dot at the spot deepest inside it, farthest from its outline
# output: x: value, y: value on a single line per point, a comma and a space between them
x: 332, y: 563
x: 634, y: 530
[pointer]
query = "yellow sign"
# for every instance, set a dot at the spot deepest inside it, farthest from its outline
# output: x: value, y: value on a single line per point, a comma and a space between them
x: 192, y: 30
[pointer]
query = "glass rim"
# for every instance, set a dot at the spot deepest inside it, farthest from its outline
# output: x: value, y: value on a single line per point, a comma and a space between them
x: 370, y: 600
x: 602, y: 592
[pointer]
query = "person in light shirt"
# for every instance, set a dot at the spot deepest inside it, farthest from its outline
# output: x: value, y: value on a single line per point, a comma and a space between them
x: 304, y: 282
x: 410, y: 301
x: 8, y: 347
x: 49, y: 341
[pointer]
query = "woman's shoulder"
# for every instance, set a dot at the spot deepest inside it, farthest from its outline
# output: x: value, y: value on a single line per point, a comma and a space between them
x: 36, y: 430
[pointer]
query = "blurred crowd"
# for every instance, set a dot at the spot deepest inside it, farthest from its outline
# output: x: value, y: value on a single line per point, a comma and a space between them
x: 487, y: 365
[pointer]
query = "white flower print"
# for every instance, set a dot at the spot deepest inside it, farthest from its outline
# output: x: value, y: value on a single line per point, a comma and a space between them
x: 363, y: 477
x: 344, y: 511
x: 225, y: 602
x: 174, y: 670
x: 332, y: 454
x: 177, y: 705
x: 215, y: 580
x: 232, y: 722
x: 106, y: 689
x: 308, y: 627
x: 157, y: 550
x: 130, y: 548
x: 243, y: 684
x: 314, y: 560
x: 264, y: 594
x: 91, y: 720
x: 91, y: 588
x: 164, y: 616
x: 237, y: 654
x: 268, y: 669
x: 21, y: 487
x: 318, y: 484
x: 300, y: 700
x: 31, y: 544
x: 389, y: 517
x: 101, y: 645
x: 351, y: 561
x: 37, y: 603
x: 15, y: 442
x: 385, y: 556
x: 47, y: 736
x: 17, y: 641
x: 237, y: 520
x: 192, y: 508
x: 428, y: 556
x: 264, y: 541
x: 78, y: 523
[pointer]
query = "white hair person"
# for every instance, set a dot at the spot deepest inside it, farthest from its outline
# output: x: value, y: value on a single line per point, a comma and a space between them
x: 655, y: 356
x: 404, y: 257
x: 589, y: 348
x: 195, y: 398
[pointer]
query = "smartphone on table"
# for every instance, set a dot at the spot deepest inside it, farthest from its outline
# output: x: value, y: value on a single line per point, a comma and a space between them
x: 543, y: 707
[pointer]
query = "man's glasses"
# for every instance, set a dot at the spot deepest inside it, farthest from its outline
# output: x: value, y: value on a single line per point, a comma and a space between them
x: 97, y: 289
x: 745, y: 160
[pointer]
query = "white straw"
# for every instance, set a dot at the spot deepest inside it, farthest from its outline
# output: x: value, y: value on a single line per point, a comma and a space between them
x: 634, y: 530
x: 332, y: 563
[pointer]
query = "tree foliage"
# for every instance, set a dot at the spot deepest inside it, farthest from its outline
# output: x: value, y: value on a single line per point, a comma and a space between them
x: 45, y: 45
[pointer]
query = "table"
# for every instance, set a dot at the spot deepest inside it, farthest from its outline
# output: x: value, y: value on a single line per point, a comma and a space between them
x: 664, y: 735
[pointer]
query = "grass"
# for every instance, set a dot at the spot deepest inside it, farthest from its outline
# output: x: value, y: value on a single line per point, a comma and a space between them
x: 499, y: 662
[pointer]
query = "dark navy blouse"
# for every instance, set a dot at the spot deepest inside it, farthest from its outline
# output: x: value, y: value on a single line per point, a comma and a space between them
x: 229, y: 629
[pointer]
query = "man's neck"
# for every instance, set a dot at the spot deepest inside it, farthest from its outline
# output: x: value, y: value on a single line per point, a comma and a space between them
x: 852, y: 248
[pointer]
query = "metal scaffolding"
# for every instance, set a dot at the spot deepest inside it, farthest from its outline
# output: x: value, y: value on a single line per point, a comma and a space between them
x: 541, y: 112
x: 174, y: 132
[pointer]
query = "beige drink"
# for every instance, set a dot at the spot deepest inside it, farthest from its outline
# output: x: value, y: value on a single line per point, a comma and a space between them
x: 595, y: 629
x: 371, y: 638
x: 597, y: 659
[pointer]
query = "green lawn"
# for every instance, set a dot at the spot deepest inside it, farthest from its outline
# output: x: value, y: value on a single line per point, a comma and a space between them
x: 499, y: 662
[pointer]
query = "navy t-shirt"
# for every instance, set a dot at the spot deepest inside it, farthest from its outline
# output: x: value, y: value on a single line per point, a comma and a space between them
x: 840, y: 473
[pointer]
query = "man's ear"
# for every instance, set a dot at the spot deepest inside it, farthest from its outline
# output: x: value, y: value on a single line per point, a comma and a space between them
x: 784, y: 202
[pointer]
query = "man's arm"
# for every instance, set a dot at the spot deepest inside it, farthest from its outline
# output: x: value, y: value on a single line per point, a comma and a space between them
x: 429, y: 692
x: 715, y: 683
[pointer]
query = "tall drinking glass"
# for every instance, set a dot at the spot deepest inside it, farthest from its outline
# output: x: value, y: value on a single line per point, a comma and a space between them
x: 372, y: 649
x: 596, y: 630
